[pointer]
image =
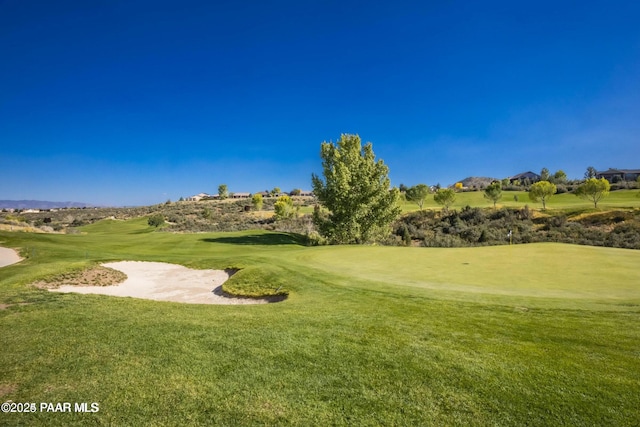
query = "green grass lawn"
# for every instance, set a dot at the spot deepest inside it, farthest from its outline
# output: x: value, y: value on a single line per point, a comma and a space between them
x: 616, y: 199
x: 566, y: 201
x: 541, y: 334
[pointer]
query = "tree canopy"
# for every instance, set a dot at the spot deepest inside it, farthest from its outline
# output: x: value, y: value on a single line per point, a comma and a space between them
x: 257, y: 201
x: 560, y: 177
x: 590, y: 173
x: 593, y: 189
x: 493, y: 192
x: 542, y: 191
x: 445, y: 197
x: 544, y: 174
x: 356, y: 192
x: 284, y: 207
x: 418, y: 194
x: 223, y: 192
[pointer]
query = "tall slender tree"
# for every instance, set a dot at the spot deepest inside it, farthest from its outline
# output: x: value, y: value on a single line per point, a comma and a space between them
x: 544, y: 174
x: 223, y: 191
x: 590, y: 173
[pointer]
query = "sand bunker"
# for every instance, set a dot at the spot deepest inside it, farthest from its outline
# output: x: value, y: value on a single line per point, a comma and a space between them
x: 8, y: 256
x: 166, y: 282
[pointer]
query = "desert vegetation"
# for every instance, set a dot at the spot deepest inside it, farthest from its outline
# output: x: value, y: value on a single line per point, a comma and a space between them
x: 481, y: 227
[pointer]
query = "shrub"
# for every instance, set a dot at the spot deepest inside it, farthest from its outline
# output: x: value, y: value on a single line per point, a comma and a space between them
x: 525, y: 213
x: 284, y: 208
x: 156, y: 220
x: 313, y: 238
x: 257, y: 201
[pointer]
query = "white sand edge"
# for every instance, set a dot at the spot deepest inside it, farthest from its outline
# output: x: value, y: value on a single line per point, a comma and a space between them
x: 161, y: 281
x: 8, y: 256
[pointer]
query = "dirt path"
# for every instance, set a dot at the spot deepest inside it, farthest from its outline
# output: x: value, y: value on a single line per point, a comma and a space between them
x: 165, y: 282
x: 8, y: 256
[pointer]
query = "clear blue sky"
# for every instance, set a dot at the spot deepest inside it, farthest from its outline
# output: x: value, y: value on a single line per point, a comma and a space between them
x: 136, y: 102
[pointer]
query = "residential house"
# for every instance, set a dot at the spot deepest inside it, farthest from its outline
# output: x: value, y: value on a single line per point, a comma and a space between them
x: 240, y: 195
x: 617, y: 175
x: 531, y: 176
x: 197, y: 197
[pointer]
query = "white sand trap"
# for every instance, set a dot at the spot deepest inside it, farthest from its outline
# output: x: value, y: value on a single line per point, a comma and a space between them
x: 8, y: 256
x: 165, y: 282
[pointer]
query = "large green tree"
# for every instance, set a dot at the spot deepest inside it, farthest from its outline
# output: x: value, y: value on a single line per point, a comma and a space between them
x: 493, y: 192
x: 541, y: 191
x: 356, y: 192
x: 445, y: 197
x: 418, y: 194
x: 593, y: 189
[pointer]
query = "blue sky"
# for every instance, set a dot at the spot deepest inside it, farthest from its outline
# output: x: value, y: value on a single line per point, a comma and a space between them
x: 136, y: 102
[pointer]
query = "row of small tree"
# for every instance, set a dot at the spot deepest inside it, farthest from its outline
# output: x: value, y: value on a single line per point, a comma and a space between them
x: 419, y: 193
x: 591, y: 189
x: 447, y: 196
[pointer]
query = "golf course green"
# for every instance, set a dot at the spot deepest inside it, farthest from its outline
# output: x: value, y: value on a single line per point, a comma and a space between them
x: 539, y: 334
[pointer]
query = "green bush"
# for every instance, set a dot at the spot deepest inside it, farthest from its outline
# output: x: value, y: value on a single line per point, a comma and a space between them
x: 156, y: 220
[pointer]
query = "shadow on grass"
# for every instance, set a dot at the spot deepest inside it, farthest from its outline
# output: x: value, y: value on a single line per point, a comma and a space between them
x: 259, y: 239
x: 269, y: 299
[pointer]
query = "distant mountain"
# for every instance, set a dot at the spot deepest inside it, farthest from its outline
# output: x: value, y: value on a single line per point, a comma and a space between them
x: 477, y: 181
x: 39, y: 204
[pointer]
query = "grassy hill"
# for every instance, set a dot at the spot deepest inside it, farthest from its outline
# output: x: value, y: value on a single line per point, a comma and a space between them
x: 565, y: 201
x: 542, y: 334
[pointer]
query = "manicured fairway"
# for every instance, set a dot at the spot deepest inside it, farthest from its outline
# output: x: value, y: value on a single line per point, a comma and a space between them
x: 542, y: 334
x: 616, y: 199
